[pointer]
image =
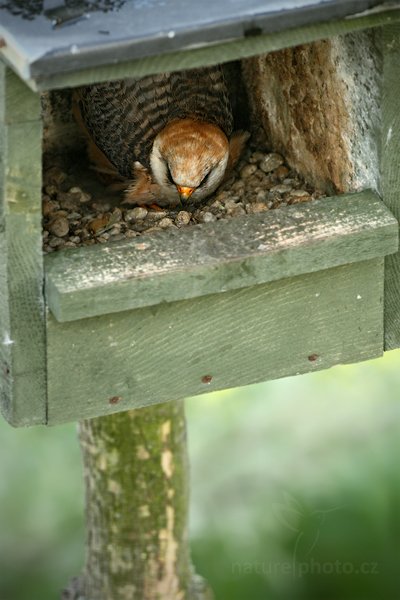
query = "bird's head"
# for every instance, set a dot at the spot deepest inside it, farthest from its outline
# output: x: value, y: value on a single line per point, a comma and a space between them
x: 189, y: 158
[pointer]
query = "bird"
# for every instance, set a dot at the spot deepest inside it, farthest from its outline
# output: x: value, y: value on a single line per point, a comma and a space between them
x: 166, y: 138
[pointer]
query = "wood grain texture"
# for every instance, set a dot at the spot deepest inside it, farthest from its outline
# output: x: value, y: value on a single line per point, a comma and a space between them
x: 319, y: 105
x: 134, y: 358
x: 19, y: 105
x: 137, y: 500
x: 22, y: 328
x: 390, y: 174
x: 216, y: 53
x: 216, y: 257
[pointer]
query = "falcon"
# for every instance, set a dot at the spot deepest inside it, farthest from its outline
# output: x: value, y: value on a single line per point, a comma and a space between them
x: 166, y: 137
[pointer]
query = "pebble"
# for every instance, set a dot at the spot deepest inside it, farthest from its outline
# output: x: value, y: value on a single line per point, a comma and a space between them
x: 56, y: 242
x: 98, y: 224
x: 298, y: 199
x: 236, y: 211
x: 281, y: 172
x: 116, y: 230
x: 82, y: 196
x: 130, y: 234
x: 237, y: 186
x: 299, y: 194
x: 230, y: 204
x: 136, y: 214
x: 152, y: 230
x: 104, y: 237
x: 261, y: 196
x: 248, y: 171
x: 165, y: 222
x: 59, y: 226
x: 101, y: 206
x: 207, y: 217
x: 281, y: 189
x: 258, y: 207
x: 216, y: 206
x: 256, y: 157
x: 261, y: 181
x: 294, y: 183
x: 55, y: 176
x: 49, y: 206
x: 74, y: 216
x: 116, y: 215
x: 270, y: 162
x: 68, y: 201
x: 51, y: 190
x: 156, y: 215
x: 182, y: 218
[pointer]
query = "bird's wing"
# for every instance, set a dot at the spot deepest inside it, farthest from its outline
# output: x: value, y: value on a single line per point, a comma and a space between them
x: 123, y: 117
x: 202, y: 94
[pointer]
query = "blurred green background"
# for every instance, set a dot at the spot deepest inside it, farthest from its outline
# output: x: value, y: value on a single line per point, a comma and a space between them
x: 295, y: 492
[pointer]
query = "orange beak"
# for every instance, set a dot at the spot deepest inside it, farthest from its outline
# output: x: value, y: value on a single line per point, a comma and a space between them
x: 185, y: 192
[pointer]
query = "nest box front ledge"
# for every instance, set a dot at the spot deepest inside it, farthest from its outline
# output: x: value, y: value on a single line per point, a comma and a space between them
x: 215, y: 306
x: 217, y: 257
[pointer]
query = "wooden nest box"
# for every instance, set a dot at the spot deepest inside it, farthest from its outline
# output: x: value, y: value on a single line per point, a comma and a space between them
x: 99, y: 329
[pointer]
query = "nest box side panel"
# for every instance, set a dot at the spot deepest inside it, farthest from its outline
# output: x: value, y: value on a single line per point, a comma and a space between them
x: 319, y: 104
x: 390, y: 174
x: 22, y: 331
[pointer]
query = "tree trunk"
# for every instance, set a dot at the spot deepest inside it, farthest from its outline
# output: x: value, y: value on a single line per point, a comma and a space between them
x: 136, y: 478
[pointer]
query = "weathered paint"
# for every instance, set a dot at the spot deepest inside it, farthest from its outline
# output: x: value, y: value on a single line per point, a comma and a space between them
x: 390, y: 179
x: 176, y: 349
x: 216, y: 257
x: 22, y: 313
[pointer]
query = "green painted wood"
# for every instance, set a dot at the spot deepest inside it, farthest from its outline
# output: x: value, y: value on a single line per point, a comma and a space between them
x: 241, y: 336
x: 149, y: 355
x: 218, y: 53
x: 215, y: 257
x: 22, y: 326
x: 390, y: 174
x: 18, y: 105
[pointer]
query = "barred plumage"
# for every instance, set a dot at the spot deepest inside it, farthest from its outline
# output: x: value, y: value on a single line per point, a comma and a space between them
x: 127, y: 119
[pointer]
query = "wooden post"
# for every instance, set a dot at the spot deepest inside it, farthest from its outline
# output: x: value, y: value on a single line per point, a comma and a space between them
x: 136, y: 479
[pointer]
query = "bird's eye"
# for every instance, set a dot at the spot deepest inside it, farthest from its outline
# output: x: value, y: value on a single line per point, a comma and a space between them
x: 206, y: 178
x: 169, y: 176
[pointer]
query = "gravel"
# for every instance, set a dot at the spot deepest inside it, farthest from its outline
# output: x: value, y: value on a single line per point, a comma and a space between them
x: 75, y: 215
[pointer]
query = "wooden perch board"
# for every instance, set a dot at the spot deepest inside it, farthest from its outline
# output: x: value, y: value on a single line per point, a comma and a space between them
x: 217, y: 257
